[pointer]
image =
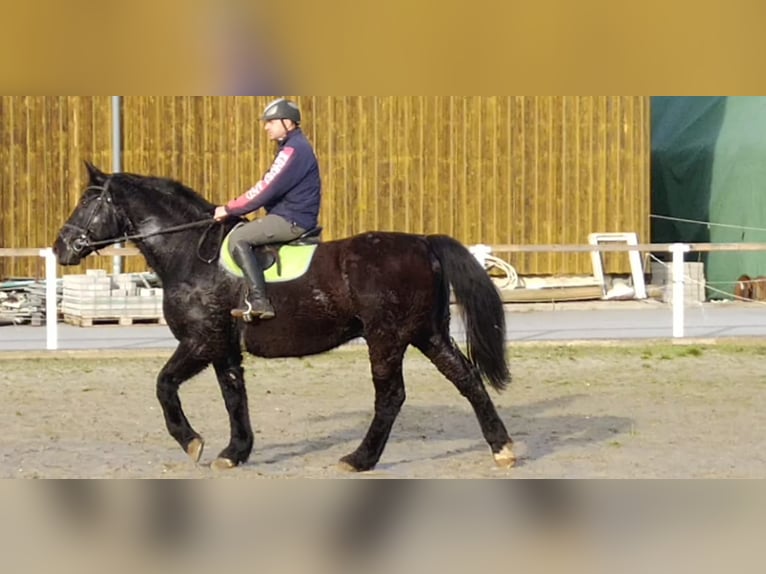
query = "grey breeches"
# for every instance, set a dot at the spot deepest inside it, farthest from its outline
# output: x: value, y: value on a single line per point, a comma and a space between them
x: 267, y: 230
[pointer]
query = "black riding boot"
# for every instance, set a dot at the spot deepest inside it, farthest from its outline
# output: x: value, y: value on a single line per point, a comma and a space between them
x: 257, y: 305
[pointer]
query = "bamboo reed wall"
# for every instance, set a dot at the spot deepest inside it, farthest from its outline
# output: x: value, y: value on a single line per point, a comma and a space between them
x: 43, y: 140
x: 485, y: 169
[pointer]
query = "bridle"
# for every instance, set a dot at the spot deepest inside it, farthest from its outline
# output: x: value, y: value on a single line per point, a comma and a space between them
x: 84, y: 240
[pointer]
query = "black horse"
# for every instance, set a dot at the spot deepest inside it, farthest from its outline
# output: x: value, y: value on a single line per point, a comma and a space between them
x: 392, y: 289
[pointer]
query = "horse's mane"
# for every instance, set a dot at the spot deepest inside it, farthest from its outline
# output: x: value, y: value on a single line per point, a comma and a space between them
x: 174, y: 194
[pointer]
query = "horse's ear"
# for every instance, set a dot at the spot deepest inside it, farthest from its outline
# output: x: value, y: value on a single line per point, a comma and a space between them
x: 97, y: 177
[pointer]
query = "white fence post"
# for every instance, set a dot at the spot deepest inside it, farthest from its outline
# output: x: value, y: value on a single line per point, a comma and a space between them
x: 679, y: 251
x: 51, y: 306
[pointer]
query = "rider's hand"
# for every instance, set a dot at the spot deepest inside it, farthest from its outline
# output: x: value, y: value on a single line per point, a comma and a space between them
x: 220, y: 214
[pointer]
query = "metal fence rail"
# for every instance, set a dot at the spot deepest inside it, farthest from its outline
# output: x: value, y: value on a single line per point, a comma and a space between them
x: 678, y: 252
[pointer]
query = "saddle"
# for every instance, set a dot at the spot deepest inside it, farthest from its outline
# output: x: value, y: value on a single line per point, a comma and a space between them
x: 280, y: 261
x: 270, y: 255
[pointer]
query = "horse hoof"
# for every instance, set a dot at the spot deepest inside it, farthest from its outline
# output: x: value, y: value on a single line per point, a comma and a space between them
x: 223, y: 464
x: 347, y: 467
x: 505, y: 458
x: 195, y: 448
x: 347, y: 464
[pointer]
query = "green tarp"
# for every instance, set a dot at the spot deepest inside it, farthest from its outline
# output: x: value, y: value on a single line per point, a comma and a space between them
x: 709, y: 165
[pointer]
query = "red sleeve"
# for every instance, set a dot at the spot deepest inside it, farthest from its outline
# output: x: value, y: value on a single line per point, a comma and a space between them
x: 278, y: 180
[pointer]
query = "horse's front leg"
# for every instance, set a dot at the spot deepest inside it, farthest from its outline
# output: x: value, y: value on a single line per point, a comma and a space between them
x: 231, y: 378
x: 181, y: 367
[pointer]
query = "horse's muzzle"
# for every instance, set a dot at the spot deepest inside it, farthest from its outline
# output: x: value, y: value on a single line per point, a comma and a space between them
x: 69, y: 253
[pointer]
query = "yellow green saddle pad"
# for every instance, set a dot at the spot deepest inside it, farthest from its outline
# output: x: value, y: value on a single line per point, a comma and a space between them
x: 295, y: 261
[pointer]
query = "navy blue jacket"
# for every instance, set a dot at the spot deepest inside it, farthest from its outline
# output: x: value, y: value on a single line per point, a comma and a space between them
x: 292, y: 188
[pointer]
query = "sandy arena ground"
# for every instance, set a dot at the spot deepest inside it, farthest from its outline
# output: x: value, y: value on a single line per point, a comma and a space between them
x: 632, y: 411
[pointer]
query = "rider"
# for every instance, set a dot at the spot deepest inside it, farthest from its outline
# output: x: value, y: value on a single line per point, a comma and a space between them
x: 290, y: 192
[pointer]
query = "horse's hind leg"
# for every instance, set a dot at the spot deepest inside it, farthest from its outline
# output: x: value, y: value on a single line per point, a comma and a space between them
x: 386, y: 360
x: 181, y: 367
x: 455, y: 366
x: 231, y: 378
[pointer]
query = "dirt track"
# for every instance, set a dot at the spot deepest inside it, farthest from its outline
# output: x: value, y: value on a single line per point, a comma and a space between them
x: 638, y: 411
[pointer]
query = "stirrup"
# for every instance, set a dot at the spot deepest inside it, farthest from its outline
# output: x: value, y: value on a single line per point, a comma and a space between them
x: 251, y: 314
x: 246, y: 316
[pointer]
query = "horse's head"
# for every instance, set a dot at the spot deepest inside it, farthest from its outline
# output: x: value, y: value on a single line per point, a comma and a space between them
x: 93, y: 222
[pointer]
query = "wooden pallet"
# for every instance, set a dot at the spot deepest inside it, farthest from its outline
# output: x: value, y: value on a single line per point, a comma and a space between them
x: 122, y: 321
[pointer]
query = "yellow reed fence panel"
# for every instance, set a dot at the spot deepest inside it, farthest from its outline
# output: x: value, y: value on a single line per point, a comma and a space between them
x: 490, y: 169
x: 43, y: 142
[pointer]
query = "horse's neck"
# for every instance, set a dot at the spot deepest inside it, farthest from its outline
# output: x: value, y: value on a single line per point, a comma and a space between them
x: 173, y: 255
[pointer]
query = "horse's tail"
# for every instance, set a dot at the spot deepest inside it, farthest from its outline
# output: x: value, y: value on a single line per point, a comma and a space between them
x: 483, y: 312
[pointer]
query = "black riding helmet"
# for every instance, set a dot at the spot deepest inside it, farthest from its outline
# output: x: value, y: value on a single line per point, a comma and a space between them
x: 282, y: 109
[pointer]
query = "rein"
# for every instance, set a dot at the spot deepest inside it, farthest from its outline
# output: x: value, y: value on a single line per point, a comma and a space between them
x: 141, y: 236
x: 84, y: 241
x: 170, y: 230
